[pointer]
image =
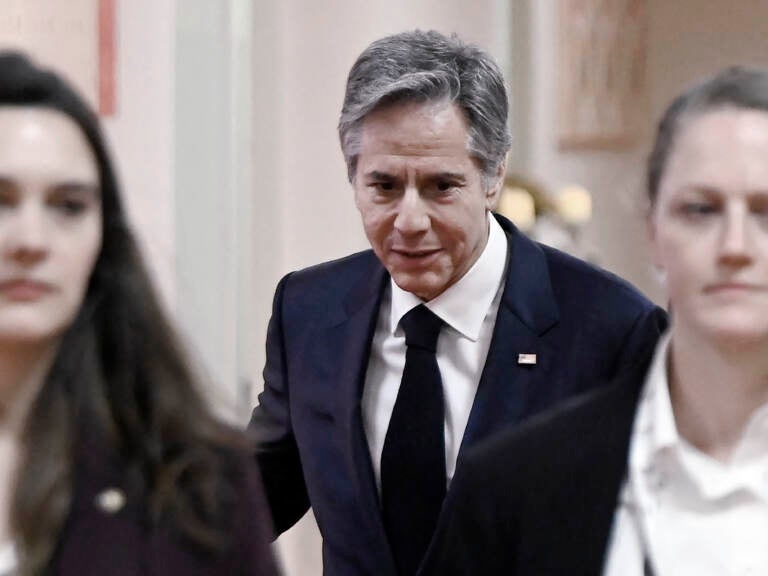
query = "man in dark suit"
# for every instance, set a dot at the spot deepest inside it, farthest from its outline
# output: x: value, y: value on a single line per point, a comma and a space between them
x: 385, y: 366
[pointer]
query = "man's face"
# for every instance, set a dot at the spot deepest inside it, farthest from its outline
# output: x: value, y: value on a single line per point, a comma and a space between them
x: 422, y: 197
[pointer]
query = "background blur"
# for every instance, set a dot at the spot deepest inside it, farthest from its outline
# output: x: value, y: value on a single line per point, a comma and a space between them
x: 224, y: 132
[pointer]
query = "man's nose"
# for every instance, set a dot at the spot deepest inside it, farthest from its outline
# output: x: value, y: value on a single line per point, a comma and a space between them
x: 413, y: 214
x: 25, y: 234
x: 736, y: 237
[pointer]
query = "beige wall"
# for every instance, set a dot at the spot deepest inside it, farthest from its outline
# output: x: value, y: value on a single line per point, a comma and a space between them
x: 613, y: 177
x: 692, y: 38
x: 141, y: 130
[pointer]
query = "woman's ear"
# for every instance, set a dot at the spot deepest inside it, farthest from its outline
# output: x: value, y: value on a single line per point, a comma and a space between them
x: 657, y: 256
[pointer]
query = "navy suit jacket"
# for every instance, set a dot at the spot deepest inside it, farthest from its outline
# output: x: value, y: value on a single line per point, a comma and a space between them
x: 584, y: 325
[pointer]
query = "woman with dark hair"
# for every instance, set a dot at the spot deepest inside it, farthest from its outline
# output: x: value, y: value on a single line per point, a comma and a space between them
x: 110, y: 460
x: 666, y: 472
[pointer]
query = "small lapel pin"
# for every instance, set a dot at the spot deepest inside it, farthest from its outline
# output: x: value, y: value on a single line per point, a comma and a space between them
x: 528, y: 359
x: 111, y: 500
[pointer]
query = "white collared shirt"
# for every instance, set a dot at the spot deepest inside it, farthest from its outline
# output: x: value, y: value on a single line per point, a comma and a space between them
x: 469, y: 310
x: 690, y: 514
x: 8, y: 560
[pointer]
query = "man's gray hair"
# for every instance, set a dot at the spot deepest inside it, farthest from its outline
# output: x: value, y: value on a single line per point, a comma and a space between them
x: 423, y: 66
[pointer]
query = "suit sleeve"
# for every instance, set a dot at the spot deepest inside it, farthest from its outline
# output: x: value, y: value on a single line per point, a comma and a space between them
x: 640, y: 342
x: 276, y: 451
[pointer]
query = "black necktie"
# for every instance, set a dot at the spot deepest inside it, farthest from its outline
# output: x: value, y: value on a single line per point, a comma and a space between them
x: 413, y: 459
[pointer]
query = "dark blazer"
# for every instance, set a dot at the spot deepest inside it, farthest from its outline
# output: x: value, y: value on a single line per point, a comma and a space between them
x: 584, y: 325
x: 103, y: 537
x: 540, y: 500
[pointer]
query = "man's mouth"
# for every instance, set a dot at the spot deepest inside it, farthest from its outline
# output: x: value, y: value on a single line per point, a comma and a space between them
x: 414, y: 257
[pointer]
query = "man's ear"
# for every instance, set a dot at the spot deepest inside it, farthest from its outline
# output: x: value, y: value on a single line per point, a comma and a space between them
x: 356, y: 196
x: 493, y: 193
x: 355, y: 192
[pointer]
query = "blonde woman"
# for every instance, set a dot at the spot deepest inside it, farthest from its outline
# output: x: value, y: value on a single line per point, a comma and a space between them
x: 666, y: 472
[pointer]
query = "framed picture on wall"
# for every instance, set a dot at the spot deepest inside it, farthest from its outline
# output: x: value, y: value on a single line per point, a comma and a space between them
x: 77, y: 37
x: 602, y: 91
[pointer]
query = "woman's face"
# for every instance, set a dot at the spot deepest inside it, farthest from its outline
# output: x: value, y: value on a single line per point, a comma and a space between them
x: 709, y: 227
x: 50, y: 222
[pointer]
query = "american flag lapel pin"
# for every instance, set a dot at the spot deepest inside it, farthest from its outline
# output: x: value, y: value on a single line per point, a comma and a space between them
x: 526, y: 359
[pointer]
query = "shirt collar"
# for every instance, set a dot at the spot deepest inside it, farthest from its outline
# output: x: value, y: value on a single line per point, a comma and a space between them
x: 464, y: 305
x: 665, y: 433
x: 657, y: 444
x: 655, y: 427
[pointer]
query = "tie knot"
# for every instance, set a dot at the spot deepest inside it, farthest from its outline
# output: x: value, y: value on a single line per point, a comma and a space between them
x: 421, y: 327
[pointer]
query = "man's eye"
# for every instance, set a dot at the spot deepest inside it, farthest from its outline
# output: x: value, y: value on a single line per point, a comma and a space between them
x: 382, y: 186
x: 446, y: 186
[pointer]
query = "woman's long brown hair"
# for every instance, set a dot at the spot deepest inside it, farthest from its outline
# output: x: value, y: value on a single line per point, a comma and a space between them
x: 120, y: 376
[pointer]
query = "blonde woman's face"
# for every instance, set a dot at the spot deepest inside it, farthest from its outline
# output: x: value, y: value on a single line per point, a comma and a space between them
x: 709, y: 227
x: 50, y: 222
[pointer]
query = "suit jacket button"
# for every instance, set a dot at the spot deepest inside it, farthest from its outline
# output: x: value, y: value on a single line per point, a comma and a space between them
x: 110, y: 500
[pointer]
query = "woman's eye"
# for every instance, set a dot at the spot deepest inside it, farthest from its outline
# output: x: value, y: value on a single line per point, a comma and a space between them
x: 69, y: 206
x: 698, y: 209
x: 72, y: 200
x: 759, y: 207
x: 6, y: 200
x: 8, y: 194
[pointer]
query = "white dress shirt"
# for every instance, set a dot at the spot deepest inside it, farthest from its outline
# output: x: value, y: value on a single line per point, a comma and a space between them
x: 688, y: 513
x: 468, y: 309
x: 8, y: 560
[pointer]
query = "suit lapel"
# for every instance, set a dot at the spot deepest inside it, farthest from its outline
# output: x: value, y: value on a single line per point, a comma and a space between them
x: 351, y: 335
x: 526, y: 311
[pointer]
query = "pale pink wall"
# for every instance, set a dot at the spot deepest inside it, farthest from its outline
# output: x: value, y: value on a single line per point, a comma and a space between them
x: 693, y: 38
x: 614, y: 178
x: 141, y: 132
